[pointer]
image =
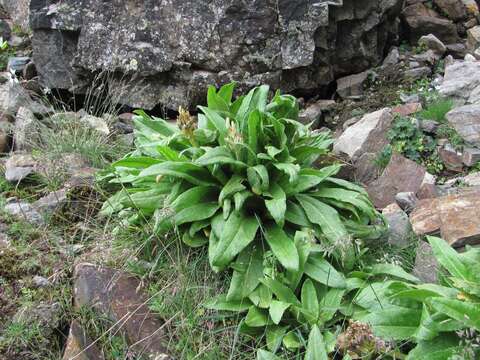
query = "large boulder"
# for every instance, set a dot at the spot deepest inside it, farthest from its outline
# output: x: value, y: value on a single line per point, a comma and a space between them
x: 167, y: 54
x: 18, y: 11
x: 462, y: 82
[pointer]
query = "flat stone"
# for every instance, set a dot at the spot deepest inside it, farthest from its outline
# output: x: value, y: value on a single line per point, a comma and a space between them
x: 115, y: 294
x: 461, y: 82
x: 80, y: 346
x: 454, y: 217
x: 17, y: 64
x: 466, y: 121
x: 426, y: 265
x: 428, y: 189
x: 473, y: 38
x: 367, y: 135
x: 352, y: 85
x: 24, y: 211
x: 399, y: 228
x: 393, y: 58
x: 472, y: 179
x: 407, y: 109
x: 452, y: 160
x: 458, y: 51
x: 429, y: 126
x: 418, y: 73
x: 406, y: 200
x: 51, y: 203
x: 18, y: 167
x: 471, y: 156
x: 401, y: 175
x: 366, y: 170
x: 311, y: 115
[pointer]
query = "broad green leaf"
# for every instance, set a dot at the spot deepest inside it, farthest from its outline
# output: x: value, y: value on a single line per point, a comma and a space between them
x: 256, y: 317
x: 222, y: 304
x: 356, y: 199
x: 247, y: 273
x: 325, y: 216
x: 316, y: 346
x: 218, y: 155
x: 254, y: 124
x: 194, y: 241
x: 468, y: 287
x: 296, y: 215
x: 393, y: 270
x: 277, y: 206
x: 394, y: 323
x: 136, y: 162
x: 196, y: 213
x: 319, y: 269
x: 330, y: 304
x: 448, y: 257
x: 184, y: 170
x: 291, y: 341
x: 310, y: 305
x: 217, y: 122
x: 275, y: 336
x: 258, y: 179
x: 239, y: 231
x: 266, y: 355
x: 226, y: 92
x: 303, y: 243
x: 309, y: 178
x: 261, y: 297
x: 216, y: 102
x: 440, y: 348
x: 153, y: 127
x: 276, y: 310
x: 290, y: 169
x: 282, y: 247
x: 282, y: 292
x: 466, y: 313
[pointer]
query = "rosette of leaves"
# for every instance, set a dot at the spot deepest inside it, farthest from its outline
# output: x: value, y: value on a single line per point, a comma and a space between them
x: 240, y: 179
x: 435, y: 317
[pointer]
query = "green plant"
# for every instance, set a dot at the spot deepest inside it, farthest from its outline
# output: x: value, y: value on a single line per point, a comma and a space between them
x: 437, y: 110
x: 444, y: 319
x: 384, y: 157
x: 241, y: 180
x: 447, y: 132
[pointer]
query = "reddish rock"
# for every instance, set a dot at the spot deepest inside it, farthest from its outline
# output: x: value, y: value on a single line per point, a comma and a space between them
x: 453, y: 161
x: 401, y: 175
x: 79, y: 346
x: 471, y: 156
x: 407, y: 109
x: 454, y: 217
x: 116, y: 294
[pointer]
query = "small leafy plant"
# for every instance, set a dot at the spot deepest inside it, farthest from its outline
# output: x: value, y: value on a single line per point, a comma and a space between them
x: 241, y: 179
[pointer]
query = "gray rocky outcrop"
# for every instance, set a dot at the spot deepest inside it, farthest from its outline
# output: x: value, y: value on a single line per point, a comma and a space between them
x: 168, y: 52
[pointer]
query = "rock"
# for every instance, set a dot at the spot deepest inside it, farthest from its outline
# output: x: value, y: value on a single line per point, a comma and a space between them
x: 80, y: 346
x: 429, y: 126
x: 428, y: 189
x: 406, y: 200
x: 407, y: 109
x: 458, y: 51
x: 393, y: 58
x: 6, y: 128
x: 51, y: 203
x: 40, y: 281
x: 366, y: 170
x: 311, y: 115
x: 367, y: 135
x: 419, y: 21
x: 5, y: 31
x: 116, y: 295
x: 433, y: 43
x: 470, y: 58
x: 18, y: 167
x: 17, y: 64
x: 418, y: 73
x: 25, y: 129
x: 168, y: 54
x: 462, y: 82
x: 472, y: 179
x: 410, y: 98
x: 24, y: 211
x: 13, y: 96
x: 425, y: 59
x: 29, y: 71
x: 351, y: 122
x: 454, y: 217
x: 471, y: 156
x: 454, y: 9
x: 18, y: 11
x: 401, y: 175
x: 4, y: 239
x: 466, y: 121
x: 399, y: 228
x: 353, y: 85
x: 452, y: 160
x: 426, y: 265
x: 473, y: 38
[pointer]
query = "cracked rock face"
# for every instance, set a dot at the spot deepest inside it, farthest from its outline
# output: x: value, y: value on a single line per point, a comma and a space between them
x: 166, y: 52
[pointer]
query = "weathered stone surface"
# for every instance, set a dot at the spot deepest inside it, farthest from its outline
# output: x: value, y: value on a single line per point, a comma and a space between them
x: 167, y: 54
x: 401, y: 175
x: 406, y: 200
x: 311, y: 115
x: 472, y: 179
x: 18, y: 167
x: 466, y: 120
x: 454, y: 217
x: 433, y: 43
x: 458, y: 51
x: 426, y: 265
x: 24, y: 211
x: 462, y: 82
x: 25, y: 129
x: 451, y: 158
x: 407, y: 109
x: 352, y: 85
x: 80, y: 346
x: 454, y: 9
x: 116, y: 294
x: 473, y: 38
x: 18, y: 11
x: 418, y: 73
x: 471, y: 156
x: 428, y: 189
x: 367, y: 135
x: 51, y: 203
x: 366, y: 170
x: 399, y: 228
x: 419, y: 21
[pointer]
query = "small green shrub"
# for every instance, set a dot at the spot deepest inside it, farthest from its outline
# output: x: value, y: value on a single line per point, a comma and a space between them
x: 241, y: 181
x: 384, y: 157
x: 437, y: 110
